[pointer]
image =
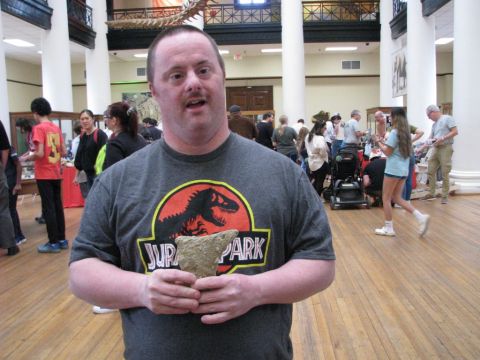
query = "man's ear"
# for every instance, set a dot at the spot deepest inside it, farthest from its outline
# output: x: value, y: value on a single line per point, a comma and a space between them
x: 152, y: 89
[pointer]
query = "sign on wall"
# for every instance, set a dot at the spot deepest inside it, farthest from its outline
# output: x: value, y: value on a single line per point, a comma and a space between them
x: 399, y: 73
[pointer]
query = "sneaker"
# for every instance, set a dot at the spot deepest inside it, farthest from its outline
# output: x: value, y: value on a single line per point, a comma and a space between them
x: 424, y: 225
x: 100, y: 310
x: 428, y: 197
x: 14, y: 250
x: 20, y: 240
x: 397, y: 206
x: 49, y: 248
x: 444, y: 200
x: 63, y: 244
x: 384, y: 232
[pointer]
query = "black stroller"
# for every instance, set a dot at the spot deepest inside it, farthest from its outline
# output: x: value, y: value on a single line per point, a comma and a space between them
x: 346, y: 188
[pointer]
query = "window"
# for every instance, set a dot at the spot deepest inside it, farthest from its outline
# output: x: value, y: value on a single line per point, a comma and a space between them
x: 252, y: 4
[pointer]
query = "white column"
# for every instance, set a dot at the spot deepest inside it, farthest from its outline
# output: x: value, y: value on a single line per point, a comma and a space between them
x: 386, y: 54
x: 97, y: 64
x: 4, y: 112
x: 56, y: 68
x: 293, y: 61
x: 196, y: 21
x: 466, y: 96
x: 421, y: 65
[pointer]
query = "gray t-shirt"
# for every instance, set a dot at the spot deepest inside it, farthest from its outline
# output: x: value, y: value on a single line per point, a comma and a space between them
x: 286, y: 141
x: 442, y: 127
x: 351, y: 127
x: 138, y: 206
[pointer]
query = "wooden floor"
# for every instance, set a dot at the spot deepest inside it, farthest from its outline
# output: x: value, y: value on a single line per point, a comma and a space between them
x: 393, y: 298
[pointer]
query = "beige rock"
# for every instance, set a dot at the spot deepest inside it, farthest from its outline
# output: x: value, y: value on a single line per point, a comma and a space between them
x: 200, y: 254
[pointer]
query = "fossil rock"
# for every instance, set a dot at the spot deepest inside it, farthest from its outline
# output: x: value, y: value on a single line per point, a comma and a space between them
x: 200, y: 254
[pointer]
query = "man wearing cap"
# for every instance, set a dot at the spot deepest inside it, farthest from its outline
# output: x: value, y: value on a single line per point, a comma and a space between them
x: 240, y: 124
x: 444, y: 129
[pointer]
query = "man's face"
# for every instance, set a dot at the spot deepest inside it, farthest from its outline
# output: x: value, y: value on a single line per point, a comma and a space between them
x: 357, y: 117
x: 189, y: 87
x: 380, y: 119
x: 434, y: 115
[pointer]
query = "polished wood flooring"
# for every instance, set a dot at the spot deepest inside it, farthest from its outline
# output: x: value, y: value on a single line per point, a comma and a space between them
x: 393, y: 298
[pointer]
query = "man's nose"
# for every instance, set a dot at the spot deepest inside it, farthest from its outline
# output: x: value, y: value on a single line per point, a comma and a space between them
x: 193, y: 81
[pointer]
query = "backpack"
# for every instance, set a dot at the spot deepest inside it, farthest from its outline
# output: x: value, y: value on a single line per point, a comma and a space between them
x: 100, y: 159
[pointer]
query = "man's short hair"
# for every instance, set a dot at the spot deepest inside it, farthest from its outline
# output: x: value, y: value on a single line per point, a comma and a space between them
x: 41, y: 106
x: 267, y: 115
x: 301, y: 121
x: 174, y: 30
x: 432, y: 108
x: 234, y: 109
x: 355, y: 112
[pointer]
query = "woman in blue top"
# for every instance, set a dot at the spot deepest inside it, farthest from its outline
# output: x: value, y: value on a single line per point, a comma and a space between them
x: 398, y: 148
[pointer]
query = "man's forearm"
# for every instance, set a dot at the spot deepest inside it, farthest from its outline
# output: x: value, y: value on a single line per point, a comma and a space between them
x: 294, y: 281
x: 104, y: 284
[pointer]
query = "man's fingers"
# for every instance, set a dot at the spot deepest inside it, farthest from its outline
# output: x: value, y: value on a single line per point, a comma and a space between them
x: 217, y: 318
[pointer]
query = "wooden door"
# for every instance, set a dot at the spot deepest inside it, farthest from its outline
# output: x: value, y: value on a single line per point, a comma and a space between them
x: 251, y: 98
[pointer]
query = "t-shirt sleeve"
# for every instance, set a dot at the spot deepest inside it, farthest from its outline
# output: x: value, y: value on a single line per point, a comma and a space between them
x: 96, y: 236
x: 392, y: 139
x: 310, y: 236
x: 451, y: 123
x: 356, y: 126
x: 38, y: 135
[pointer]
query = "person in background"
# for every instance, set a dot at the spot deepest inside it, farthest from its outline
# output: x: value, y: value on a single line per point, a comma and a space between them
x: 299, y: 125
x: 329, y: 136
x: 265, y: 130
x: 107, y: 129
x: 444, y: 129
x: 7, y: 235
x: 240, y: 124
x: 339, y: 130
x: 302, y: 149
x: 380, y: 126
x: 284, y: 138
x: 26, y: 127
x: 91, y: 141
x: 13, y: 171
x: 200, y: 179
x: 77, y: 130
x: 353, y: 134
x: 407, y: 190
x: 49, y: 148
x: 125, y: 140
x: 398, y: 148
x: 373, y: 176
x: 317, y: 150
x: 150, y: 132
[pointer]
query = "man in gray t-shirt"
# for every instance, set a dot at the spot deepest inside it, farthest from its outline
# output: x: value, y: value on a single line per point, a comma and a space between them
x: 444, y: 129
x: 201, y: 179
x: 353, y: 134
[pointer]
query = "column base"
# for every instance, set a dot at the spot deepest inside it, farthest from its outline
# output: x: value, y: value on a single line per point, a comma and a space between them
x: 468, y: 182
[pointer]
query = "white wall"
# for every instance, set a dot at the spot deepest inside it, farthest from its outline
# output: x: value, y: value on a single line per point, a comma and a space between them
x: 24, y: 82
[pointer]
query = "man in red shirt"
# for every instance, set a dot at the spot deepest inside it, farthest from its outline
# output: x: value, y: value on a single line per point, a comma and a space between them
x: 49, y: 148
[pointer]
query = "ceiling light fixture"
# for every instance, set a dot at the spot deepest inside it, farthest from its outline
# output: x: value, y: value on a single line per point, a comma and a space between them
x: 224, y: 52
x: 141, y: 55
x: 18, y: 42
x: 39, y: 52
x: 443, y: 41
x: 341, y: 48
x: 271, y: 50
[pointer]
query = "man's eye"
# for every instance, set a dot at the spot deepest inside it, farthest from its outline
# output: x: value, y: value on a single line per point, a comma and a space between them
x: 176, y: 76
x: 204, y: 71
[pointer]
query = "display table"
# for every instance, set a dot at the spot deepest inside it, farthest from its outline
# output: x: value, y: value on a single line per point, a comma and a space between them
x: 72, y: 197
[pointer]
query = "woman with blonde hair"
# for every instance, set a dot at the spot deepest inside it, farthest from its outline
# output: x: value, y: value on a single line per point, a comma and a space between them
x: 284, y: 138
x: 397, y: 148
x: 317, y: 150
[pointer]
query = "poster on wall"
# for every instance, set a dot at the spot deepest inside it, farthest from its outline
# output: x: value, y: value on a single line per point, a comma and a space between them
x: 145, y: 104
x: 399, y: 74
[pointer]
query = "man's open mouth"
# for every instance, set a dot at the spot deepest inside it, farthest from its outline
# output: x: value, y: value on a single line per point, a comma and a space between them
x: 192, y: 104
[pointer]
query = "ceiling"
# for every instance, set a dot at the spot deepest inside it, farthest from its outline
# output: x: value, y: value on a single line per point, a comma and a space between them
x: 19, y: 29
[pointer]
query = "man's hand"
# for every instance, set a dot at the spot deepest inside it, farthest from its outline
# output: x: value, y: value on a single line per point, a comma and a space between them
x: 226, y: 297
x: 16, y: 189
x: 170, y: 292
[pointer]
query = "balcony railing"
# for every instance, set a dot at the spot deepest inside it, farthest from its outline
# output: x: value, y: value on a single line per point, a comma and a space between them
x: 80, y: 12
x: 366, y: 10
x: 144, y: 13
x: 227, y: 14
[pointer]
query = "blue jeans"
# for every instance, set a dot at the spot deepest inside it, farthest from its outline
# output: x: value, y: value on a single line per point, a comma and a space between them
x: 407, y: 189
x: 336, y: 145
